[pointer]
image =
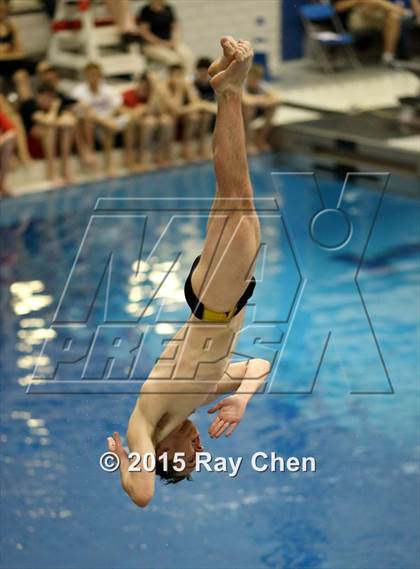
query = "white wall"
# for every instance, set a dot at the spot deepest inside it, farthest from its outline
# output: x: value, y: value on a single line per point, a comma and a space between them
x: 34, y: 31
x: 205, y: 21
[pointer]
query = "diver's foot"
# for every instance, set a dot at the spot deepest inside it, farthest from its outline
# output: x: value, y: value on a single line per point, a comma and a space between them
x: 233, y: 77
x: 229, y: 46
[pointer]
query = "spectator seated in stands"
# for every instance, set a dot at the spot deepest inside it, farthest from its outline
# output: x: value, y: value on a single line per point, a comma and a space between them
x: 382, y: 15
x: 21, y: 139
x: 47, y: 74
x: 101, y: 113
x: 409, y: 29
x: 48, y: 124
x: 259, y: 100
x: 11, y: 55
x: 26, y: 84
x: 202, y: 82
x: 145, y: 104
x: 7, y: 145
x: 160, y: 34
x: 191, y: 112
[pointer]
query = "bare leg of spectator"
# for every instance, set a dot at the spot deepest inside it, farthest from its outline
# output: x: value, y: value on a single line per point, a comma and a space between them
x: 204, y: 143
x: 249, y: 112
x: 392, y: 32
x: 147, y: 129
x: 108, y: 141
x: 190, y: 124
x: 129, y: 140
x: 386, y: 17
x: 262, y: 135
x: 7, y: 146
x: 165, y: 147
x: 84, y: 150
x: 48, y: 137
x: 88, y: 134
x: 21, y: 140
x: 66, y: 134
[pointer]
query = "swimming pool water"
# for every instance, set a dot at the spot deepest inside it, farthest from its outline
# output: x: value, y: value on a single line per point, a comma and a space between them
x: 359, y: 510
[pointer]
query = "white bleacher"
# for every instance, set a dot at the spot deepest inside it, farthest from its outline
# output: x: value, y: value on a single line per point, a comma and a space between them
x: 72, y: 49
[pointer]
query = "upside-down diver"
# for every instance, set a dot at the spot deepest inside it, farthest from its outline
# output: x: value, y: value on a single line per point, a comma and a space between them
x: 217, y: 289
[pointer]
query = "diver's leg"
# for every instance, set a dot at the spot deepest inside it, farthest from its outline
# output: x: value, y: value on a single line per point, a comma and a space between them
x: 232, y: 239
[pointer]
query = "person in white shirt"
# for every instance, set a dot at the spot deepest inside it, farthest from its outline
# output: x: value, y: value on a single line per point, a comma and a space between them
x: 101, y: 113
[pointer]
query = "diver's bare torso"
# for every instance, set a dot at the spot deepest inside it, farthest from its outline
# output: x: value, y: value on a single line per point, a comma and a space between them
x: 193, y: 364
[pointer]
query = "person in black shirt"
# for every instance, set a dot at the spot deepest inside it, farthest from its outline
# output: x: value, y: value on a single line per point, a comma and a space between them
x: 202, y: 80
x: 160, y: 35
x: 46, y: 119
x: 46, y: 74
x: 208, y: 100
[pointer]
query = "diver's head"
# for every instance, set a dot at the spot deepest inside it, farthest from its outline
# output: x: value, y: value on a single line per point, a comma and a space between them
x: 185, y: 439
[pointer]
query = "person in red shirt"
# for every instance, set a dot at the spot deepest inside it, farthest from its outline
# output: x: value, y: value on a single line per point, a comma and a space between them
x: 7, y: 146
x: 151, y: 128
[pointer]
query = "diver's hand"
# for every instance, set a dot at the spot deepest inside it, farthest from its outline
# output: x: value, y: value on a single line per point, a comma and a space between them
x: 139, y: 485
x: 231, y: 411
x: 115, y: 445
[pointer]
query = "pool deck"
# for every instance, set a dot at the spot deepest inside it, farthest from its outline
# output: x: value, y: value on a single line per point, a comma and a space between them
x: 356, y: 118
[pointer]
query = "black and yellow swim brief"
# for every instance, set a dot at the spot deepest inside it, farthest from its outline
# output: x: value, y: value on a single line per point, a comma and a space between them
x: 203, y: 313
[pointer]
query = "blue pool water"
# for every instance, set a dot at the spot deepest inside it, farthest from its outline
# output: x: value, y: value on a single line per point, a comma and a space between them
x: 359, y: 419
